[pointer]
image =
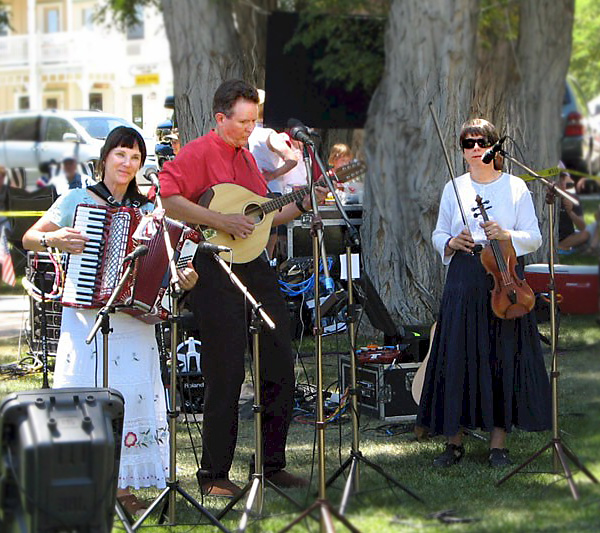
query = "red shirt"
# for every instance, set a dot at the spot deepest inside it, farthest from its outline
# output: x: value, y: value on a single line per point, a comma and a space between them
x: 208, y: 161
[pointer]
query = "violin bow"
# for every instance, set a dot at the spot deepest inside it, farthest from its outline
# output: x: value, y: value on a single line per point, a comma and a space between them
x: 439, y: 132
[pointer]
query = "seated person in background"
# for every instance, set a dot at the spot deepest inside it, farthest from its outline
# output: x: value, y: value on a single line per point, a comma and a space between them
x: 175, y: 142
x: 594, y: 243
x: 69, y: 178
x: 340, y: 155
x: 572, y: 230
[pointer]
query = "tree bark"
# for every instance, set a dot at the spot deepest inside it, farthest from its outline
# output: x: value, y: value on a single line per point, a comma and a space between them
x: 521, y: 86
x: 211, y: 41
x: 429, y: 58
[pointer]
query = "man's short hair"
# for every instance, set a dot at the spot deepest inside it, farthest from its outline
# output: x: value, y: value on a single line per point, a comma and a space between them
x: 229, y: 92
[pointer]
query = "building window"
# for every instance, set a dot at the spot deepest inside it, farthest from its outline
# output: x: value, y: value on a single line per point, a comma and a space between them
x: 23, y: 103
x: 136, y: 31
x: 87, y: 18
x: 137, y: 110
x: 96, y: 101
x: 51, y: 103
x: 51, y: 20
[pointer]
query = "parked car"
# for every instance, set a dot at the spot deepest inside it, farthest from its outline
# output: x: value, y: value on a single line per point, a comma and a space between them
x: 580, y: 144
x: 31, y: 139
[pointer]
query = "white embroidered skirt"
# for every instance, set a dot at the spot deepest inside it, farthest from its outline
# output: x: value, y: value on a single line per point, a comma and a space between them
x: 134, y: 371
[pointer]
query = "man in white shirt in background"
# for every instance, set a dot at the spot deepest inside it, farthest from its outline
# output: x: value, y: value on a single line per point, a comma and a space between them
x: 276, y: 159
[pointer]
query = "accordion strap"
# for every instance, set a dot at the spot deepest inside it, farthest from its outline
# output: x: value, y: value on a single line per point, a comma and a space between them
x: 133, y: 200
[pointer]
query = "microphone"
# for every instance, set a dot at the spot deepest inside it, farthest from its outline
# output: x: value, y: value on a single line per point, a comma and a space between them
x: 140, y: 250
x: 208, y: 247
x: 298, y: 131
x: 489, y: 154
x: 151, y: 174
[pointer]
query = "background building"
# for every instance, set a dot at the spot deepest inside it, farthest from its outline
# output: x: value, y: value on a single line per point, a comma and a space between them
x: 55, y: 56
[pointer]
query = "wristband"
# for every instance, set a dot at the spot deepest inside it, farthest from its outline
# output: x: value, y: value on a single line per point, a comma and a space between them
x: 447, y: 245
x: 43, y: 240
x: 301, y: 207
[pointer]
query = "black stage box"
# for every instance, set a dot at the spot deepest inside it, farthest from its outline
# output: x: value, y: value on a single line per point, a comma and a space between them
x: 384, y: 391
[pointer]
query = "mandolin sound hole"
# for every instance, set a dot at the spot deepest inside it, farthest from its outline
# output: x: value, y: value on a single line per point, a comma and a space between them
x: 255, y: 212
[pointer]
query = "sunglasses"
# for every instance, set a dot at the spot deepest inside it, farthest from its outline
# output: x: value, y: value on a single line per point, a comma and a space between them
x: 470, y: 143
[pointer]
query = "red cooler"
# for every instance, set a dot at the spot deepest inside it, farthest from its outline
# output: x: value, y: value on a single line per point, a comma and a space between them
x: 577, y: 284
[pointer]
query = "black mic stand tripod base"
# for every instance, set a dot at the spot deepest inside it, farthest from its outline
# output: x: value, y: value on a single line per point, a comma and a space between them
x: 356, y: 457
x: 255, y: 487
x: 560, y: 451
x: 326, y: 510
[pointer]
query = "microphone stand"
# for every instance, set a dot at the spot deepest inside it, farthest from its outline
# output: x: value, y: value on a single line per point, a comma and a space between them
x: 321, y: 504
x: 173, y: 488
x: 256, y: 485
x: 352, y: 238
x: 44, y: 330
x: 103, y: 321
x: 560, y: 450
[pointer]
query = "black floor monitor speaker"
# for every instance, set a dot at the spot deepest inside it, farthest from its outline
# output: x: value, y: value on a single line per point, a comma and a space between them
x: 60, y: 453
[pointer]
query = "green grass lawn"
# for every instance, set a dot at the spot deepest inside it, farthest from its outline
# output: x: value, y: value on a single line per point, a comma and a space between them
x: 530, y: 502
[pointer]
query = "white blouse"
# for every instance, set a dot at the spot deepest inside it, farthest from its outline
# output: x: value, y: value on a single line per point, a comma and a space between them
x: 510, y: 205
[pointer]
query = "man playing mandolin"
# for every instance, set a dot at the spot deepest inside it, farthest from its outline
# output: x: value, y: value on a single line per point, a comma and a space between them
x: 220, y: 158
x: 484, y: 371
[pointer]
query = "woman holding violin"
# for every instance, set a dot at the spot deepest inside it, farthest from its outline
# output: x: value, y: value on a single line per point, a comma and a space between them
x: 486, y: 368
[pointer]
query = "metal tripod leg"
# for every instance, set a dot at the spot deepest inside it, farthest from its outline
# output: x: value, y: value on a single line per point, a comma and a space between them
x: 356, y: 456
x: 256, y: 486
x: 560, y: 451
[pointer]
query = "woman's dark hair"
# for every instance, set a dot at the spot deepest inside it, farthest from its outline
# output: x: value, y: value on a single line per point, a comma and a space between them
x: 229, y: 92
x: 127, y: 137
x: 483, y: 128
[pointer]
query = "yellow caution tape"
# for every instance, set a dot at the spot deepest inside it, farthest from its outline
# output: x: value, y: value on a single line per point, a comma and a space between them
x: 555, y: 171
x: 22, y: 213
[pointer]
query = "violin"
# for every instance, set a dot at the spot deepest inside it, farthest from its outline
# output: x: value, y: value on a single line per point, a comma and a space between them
x: 512, y: 297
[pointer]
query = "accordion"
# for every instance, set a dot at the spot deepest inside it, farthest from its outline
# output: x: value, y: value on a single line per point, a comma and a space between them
x: 92, y: 276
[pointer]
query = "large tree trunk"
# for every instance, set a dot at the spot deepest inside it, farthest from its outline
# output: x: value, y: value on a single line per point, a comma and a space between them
x: 519, y: 86
x: 429, y: 58
x: 211, y: 41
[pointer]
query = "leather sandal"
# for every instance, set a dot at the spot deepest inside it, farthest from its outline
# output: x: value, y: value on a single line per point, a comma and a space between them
x: 132, y: 505
x: 451, y: 456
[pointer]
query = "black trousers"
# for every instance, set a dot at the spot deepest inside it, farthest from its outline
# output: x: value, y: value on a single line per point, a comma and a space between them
x: 223, y: 317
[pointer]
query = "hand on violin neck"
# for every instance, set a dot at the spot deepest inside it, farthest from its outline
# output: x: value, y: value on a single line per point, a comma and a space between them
x: 494, y: 231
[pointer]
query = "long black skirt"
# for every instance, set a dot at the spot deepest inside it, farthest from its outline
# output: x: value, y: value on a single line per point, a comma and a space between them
x: 483, y: 372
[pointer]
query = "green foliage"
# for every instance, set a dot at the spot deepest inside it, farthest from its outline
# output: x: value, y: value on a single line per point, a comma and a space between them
x: 123, y: 13
x: 4, y: 16
x: 498, y: 21
x: 346, y: 39
x: 586, y: 46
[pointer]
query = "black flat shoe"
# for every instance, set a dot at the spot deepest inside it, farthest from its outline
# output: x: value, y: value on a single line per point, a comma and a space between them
x: 499, y: 457
x: 451, y: 456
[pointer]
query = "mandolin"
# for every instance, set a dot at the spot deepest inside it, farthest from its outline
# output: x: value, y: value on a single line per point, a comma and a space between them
x: 229, y: 198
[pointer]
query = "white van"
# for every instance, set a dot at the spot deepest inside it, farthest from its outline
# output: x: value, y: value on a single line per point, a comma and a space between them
x: 29, y: 139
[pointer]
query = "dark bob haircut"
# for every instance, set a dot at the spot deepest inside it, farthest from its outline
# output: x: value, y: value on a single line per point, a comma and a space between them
x: 128, y: 138
x: 483, y: 128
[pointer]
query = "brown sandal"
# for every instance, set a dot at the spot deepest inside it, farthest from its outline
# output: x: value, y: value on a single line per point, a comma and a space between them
x: 132, y: 505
